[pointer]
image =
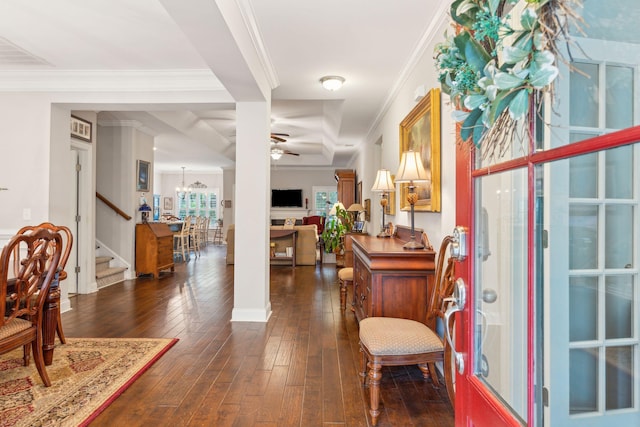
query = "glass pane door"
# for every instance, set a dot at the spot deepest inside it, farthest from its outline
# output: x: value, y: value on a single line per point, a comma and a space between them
x: 500, y: 353
x: 590, y: 274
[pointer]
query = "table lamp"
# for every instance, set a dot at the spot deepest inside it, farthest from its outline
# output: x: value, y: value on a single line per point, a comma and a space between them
x: 383, y: 185
x: 412, y: 170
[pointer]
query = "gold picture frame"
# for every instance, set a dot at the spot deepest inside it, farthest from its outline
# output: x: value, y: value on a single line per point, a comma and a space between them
x: 420, y: 131
x: 390, y: 209
x: 367, y: 209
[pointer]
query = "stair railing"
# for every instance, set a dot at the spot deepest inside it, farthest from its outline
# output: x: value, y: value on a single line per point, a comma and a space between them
x: 113, y: 206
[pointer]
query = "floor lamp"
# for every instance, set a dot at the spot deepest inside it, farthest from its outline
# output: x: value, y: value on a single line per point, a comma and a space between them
x: 412, y: 170
x: 383, y: 185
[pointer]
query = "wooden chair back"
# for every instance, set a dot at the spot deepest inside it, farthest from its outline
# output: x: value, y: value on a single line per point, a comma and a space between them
x: 37, y: 256
x: 444, y: 281
x: 67, y: 243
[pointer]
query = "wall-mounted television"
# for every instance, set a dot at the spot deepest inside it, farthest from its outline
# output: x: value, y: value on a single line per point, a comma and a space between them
x: 286, y: 198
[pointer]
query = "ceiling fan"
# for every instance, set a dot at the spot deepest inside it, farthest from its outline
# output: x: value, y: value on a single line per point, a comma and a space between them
x: 277, y: 152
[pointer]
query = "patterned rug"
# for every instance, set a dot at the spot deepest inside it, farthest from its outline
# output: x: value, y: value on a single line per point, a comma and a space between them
x: 86, y: 375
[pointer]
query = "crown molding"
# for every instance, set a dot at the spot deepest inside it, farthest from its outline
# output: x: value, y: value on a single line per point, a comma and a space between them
x: 248, y: 17
x: 108, y: 80
x: 416, y: 56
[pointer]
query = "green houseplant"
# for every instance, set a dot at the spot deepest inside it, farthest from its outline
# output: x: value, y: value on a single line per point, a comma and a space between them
x: 335, y: 229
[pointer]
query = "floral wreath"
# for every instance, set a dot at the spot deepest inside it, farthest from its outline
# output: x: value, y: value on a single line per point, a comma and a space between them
x: 492, y: 66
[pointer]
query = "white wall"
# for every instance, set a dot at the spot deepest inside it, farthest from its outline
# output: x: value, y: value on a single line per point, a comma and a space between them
x: 436, y: 224
x: 166, y: 187
x: 305, y: 179
x: 118, y: 149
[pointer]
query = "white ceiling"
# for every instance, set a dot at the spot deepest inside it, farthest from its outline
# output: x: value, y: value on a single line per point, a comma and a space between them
x: 200, y: 45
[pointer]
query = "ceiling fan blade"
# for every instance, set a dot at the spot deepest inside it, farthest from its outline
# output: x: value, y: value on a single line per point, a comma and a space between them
x: 291, y: 153
x: 279, y: 134
x: 276, y: 138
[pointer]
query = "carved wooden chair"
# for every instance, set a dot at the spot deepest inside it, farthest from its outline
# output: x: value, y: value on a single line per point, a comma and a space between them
x: 67, y: 244
x: 389, y: 341
x: 39, y: 254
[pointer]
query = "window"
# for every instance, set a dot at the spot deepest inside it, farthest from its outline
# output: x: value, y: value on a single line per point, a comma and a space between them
x: 198, y: 203
x: 323, y: 200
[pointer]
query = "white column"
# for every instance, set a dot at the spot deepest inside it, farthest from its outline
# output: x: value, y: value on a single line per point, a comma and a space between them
x: 251, y: 272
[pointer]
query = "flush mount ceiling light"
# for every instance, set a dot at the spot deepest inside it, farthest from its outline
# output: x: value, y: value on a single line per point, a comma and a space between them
x: 332, y: 82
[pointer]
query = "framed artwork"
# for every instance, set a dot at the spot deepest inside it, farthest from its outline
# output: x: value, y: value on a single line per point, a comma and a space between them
x: 390, y: 209
x: 420, y: 131
x: 142, y: 182
x: 289, y: 223
x: 367, y: 209
x: 359, y: 198
x: 81, y: 129
x: 168, y: 203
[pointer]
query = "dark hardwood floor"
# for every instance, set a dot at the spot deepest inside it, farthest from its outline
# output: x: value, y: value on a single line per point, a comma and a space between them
x: 298, y: 369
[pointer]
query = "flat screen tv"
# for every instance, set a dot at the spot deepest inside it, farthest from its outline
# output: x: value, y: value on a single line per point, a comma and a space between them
x: 286, y: 198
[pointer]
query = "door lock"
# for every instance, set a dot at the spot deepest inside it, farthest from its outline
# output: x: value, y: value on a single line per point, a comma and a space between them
x: 458, y: 301
x: 460, y: 244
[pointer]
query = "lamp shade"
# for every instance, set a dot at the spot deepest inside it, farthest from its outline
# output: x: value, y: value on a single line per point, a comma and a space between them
x: 356, y: 207
x: 383, y: 183
x: 335, y: 207
x: 411, y: 168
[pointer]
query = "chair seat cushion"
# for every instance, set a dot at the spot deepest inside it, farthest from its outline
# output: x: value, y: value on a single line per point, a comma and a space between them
x: 13, y: 327
x: 346, y: 273
x: 390, y: 336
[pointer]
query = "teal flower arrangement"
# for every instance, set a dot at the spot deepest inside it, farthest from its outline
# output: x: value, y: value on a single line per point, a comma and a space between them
x: 494, y: 64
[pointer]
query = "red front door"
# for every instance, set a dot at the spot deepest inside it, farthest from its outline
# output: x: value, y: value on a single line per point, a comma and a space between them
x: 492, y: 386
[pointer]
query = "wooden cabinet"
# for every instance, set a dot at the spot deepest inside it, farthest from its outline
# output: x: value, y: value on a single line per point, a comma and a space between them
x: 346, y: 186
x: 389, y: 280
x: 154, y: 248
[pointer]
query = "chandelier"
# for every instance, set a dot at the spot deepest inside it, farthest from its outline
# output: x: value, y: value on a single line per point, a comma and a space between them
x: 184, y: 188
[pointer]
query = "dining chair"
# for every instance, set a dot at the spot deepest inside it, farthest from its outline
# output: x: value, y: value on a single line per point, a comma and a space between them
x: 39, y: 253
x: 390, y: 341
x: 194, y: 237
x: 67, y: 243
x: 181, y: 240
x: 204, y: 231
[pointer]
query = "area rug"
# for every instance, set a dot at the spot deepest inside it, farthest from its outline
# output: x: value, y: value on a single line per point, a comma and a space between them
x: 86, y: 375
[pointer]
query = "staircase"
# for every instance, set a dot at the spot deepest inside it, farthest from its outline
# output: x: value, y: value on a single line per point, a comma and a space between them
x: 107, y: 275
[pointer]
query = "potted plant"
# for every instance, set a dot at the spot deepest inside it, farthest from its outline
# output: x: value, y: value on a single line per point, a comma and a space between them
x: 338, y: 224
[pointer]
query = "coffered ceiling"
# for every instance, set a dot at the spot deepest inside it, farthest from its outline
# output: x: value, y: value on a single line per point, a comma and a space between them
x: 165, y: 49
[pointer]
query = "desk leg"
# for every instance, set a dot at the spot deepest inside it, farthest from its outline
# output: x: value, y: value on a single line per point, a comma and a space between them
x: 49, y: 323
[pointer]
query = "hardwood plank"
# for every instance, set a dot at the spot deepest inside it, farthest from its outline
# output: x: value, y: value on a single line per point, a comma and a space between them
x: 298, y: 369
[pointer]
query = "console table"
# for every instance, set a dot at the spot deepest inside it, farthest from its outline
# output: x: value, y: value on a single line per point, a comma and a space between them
x: 280, y: 234
x: 389, y: 280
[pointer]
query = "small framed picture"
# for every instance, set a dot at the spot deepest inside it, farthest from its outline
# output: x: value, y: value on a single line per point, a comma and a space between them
x: 168, y: 203
x: 358, y: 226
x: 81, y: 129
x: 142, y: 183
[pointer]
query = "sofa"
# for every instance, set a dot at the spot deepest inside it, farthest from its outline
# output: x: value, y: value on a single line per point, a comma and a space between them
x: 306, y: 243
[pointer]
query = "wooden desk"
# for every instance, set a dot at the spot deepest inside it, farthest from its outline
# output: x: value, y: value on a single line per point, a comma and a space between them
x: 279, y: 234
x: 389, y: 280
x: 154, y: 248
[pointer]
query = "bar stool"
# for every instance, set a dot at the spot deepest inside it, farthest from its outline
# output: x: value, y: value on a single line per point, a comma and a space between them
x: 345, y: 275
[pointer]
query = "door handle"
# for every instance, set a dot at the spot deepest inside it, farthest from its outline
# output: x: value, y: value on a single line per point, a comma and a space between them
x: 458, y: 301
